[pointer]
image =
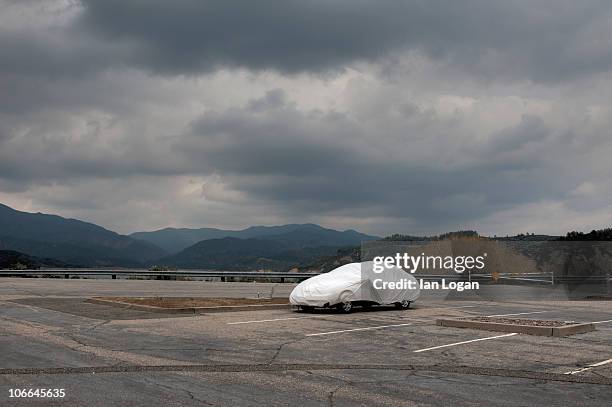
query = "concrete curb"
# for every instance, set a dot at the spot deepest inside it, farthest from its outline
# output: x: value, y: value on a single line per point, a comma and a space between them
x: 522, y: 329
x: 573, y: 329
x: 189, y: 310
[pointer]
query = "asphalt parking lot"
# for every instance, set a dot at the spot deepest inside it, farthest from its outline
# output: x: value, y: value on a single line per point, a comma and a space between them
x: 102, y: 355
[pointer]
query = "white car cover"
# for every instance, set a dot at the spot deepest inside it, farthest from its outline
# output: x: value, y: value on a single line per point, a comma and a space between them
x: 353, y: 282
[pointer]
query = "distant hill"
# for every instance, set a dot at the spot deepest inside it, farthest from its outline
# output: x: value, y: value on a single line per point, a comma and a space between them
x: 444, y: 236
x: 300, y: 235
x: 593, y: 235
x: 472, y: 234
x: 174, y: 240
x: 10, y: 259
x: 71, y: 241
x: 529, y: 237
x: 231, y: 253
x: 342, y: 256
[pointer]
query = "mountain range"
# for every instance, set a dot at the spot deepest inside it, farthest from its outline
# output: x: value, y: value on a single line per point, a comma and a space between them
x: 257, y: 247
x: 44, y: 240
x: 303, y: 235
x: 73, y: 242
x: 10, y: 259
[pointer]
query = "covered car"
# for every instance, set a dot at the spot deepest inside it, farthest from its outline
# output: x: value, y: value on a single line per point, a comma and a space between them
x: 356, y: 284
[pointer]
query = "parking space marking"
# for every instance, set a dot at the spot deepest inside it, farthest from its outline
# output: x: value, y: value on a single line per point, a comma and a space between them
x: 273, y: 320
x: 464, y: 342
x: 357, y: 329
x: 589, y: 367
x: 462, y: 306
x: 518, y: 313
x: 601, y: 322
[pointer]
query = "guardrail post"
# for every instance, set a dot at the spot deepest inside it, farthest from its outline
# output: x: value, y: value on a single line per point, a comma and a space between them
x: 66, y: 275
x: 223, y: 279
x: 114, y: 276
x: 282, y: 279
x: 552, y: 277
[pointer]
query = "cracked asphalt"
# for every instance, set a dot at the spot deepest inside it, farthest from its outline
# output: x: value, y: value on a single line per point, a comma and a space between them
x: 102, y: 355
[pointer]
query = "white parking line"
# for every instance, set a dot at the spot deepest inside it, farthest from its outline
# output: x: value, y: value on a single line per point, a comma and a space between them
x: 464, y: 342
x: 357, y: 329
x: 589, y: 367
x: 463, y: 306
x: 276, y: 319
x: 518, y: 313
x: 601, y: 322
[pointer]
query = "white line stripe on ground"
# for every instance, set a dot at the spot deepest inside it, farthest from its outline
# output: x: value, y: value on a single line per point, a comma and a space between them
x: 518, y: 313
x: 276, y: 319
x: 464, y: 342
x: 601, y: 322
x: 589, y: 367
x: 605, y: 362
x: 463, y: 306
x: 357, y: 329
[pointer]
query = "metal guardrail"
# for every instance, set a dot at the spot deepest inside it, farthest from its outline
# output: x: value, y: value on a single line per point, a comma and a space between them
x: 161, y: 275
x: 545, y: 278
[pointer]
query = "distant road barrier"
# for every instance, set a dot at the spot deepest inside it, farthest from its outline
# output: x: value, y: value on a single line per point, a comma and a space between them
x: 160, y: 275
x: 503, y: 278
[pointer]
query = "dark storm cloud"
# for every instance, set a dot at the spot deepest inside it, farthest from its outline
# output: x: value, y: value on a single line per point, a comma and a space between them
x: 323, y: 162
x: 431, y: 113
x: 542, y: 40
x: 31, y: 53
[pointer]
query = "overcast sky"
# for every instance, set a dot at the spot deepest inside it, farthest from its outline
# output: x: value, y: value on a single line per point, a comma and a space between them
x: 386, y: 116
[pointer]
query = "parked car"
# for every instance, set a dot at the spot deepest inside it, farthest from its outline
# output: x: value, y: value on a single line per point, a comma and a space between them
x: 354, y: 284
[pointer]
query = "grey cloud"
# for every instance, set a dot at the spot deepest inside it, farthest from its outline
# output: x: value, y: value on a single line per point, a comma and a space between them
x: 298, y: 164
x: 96, y: 109
x: 540, y: 40
x: 530, y: 130
x: 315, y: 163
